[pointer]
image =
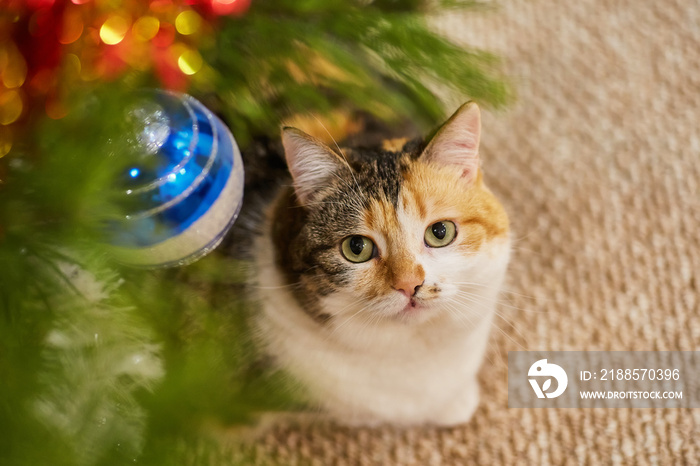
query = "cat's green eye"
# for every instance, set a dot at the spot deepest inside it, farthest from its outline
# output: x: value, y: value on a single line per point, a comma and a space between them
x: 440, y: 234
x: 357, y: 248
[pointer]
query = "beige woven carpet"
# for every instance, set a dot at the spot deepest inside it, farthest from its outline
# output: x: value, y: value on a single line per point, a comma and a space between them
x: 598, y: 163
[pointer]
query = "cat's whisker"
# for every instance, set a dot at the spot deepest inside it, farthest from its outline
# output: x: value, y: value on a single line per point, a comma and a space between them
x: 515, y: 265
x: 524, y: 296
x: 500, y: 302
x: 342, y: 324
x: 510, y: 293
x: 476, y: 297
x: 344, y: 182
x: 471, y: 297
x: 341, y: 153
x: 488, y: 285
x: 450, y: 309
x: 491, y: 346
x: 348, y: 306
x: 530, y: 251
x: 537, y: 229
x: 470, y: 324
x: 317, y: 203
x: 507, y: 302
x: 460, y: 316
x: 360, y: 312
x: 469, y: 302
x: 461, y: 306
x: 495, y: 324
x: 505, y: 334
x: 373, y: 318
x: 511, y: 324
x: 496, y: 348
x: 319, y: 187
x: 280, y: 287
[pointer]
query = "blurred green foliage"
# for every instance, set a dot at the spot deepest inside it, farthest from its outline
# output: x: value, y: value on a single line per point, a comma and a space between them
x: 313, y: 56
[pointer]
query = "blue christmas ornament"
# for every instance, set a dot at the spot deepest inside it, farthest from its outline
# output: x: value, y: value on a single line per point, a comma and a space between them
x: 185, y: 191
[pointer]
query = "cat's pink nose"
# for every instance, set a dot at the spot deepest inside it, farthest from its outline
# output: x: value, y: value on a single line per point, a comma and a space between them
x: 409, y: 285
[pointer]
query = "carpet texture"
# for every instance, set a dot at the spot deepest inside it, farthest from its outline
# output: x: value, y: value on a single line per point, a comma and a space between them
x: 597, y: 163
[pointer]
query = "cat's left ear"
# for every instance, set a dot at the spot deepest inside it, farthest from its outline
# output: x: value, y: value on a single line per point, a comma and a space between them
x: 457, y: 141
x: 311, y: 163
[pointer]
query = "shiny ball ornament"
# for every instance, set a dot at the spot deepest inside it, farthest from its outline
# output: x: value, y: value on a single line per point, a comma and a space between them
x: 185, y: 191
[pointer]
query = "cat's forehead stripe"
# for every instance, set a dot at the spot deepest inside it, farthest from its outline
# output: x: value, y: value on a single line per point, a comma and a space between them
x: 414, y: 202
x: 380, y: 216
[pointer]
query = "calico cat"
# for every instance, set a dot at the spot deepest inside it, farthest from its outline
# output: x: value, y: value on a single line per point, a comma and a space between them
x: 377, y: 273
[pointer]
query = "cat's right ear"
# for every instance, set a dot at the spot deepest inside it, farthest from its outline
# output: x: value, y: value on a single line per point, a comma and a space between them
x: 311, y: 163
x: 457, y: 142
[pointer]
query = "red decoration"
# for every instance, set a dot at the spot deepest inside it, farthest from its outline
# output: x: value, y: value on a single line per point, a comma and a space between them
x: 51, y: 43
x: 103, y: 38
x: 214, y: 8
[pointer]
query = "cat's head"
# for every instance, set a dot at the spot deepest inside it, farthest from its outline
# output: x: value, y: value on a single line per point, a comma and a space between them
x: 377, y: 235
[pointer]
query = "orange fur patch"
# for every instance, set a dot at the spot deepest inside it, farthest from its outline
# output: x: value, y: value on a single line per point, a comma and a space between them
x: 440, y: 193
x: 394, y: 145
